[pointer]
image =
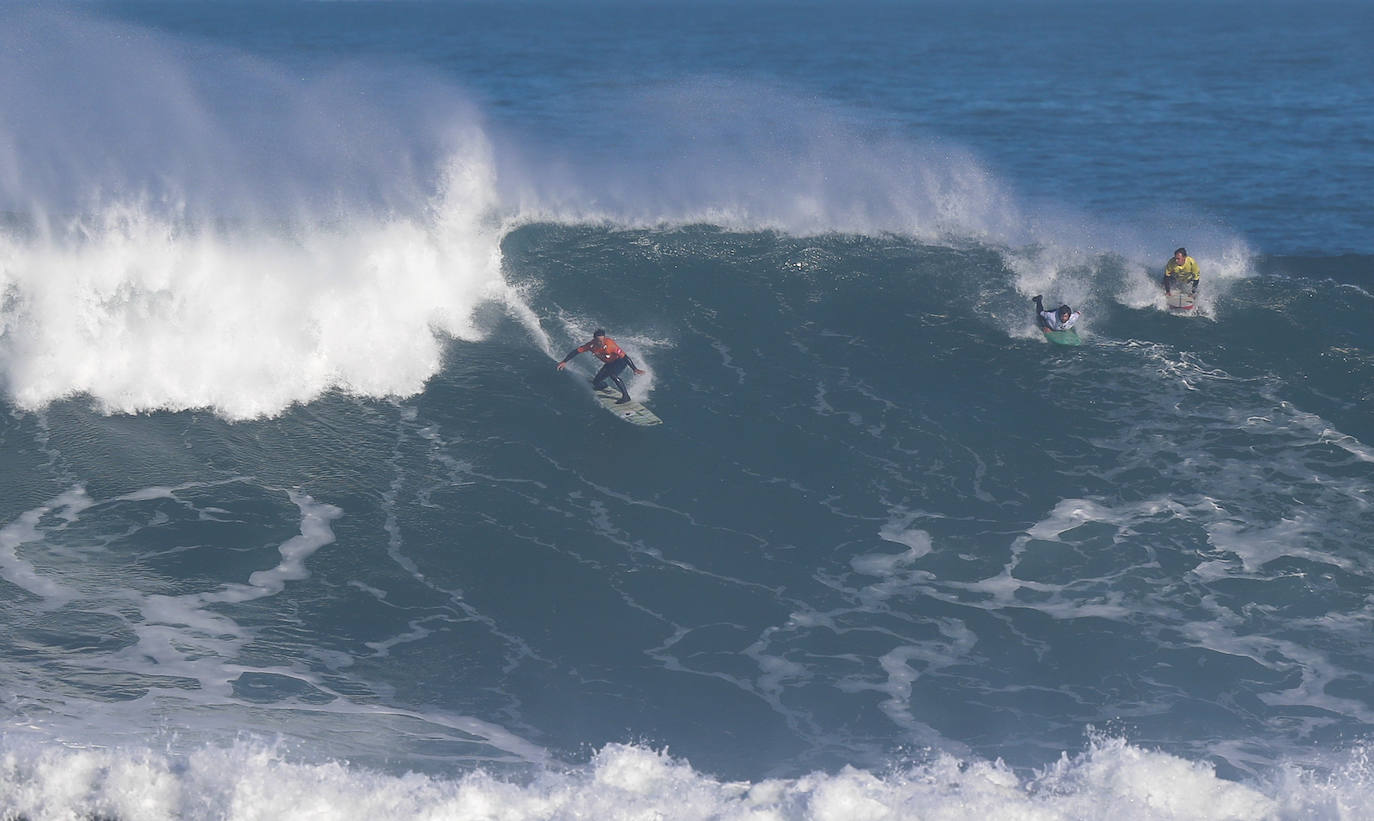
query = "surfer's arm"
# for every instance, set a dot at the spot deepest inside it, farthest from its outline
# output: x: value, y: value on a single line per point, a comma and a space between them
x: 633, y: 366
x: 571, y: 354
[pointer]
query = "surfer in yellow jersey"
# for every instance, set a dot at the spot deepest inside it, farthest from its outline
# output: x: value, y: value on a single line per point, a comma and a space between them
x: 605, y: 349
x: 1179, y: 270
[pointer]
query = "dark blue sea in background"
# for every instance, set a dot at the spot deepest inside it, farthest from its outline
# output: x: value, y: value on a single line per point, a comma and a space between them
x: 298, y: 519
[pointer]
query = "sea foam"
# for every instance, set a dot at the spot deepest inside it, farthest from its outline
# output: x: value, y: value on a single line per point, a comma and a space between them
x: 250, y: 780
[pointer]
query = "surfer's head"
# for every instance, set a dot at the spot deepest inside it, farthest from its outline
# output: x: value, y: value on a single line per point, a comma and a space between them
x: 1181, y: 252
x: 598, y: 333
x: 1064, y: 312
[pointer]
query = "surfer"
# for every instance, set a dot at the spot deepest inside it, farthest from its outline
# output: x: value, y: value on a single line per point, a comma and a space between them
x: 1060, y: 319
x: 605, y: 349
x: 1180, y: 269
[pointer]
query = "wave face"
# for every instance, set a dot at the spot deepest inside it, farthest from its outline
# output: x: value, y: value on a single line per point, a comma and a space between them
x: 297, y: 516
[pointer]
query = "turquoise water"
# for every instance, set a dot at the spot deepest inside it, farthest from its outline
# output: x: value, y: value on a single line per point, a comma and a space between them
x: 298, y: 517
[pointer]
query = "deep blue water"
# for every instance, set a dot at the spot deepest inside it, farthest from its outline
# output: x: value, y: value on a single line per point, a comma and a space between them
x: 298, y: 517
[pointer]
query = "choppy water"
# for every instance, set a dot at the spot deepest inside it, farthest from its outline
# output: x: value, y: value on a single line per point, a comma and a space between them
x: 297, y: 516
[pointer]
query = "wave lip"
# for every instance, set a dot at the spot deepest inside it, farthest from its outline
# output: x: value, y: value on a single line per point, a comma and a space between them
x: 140, y: 313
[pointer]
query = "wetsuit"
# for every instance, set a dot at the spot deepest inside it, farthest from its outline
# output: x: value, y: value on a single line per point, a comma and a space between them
x: 605, y: 349
x: 1049, y: 320
x: 1176, y: 273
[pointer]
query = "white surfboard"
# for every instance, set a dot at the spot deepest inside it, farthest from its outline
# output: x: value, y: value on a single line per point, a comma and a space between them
x: 1180, y: 301
x: 632, y: 411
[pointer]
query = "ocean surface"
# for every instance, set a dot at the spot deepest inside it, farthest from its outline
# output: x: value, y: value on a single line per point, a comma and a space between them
x: 299, y: 520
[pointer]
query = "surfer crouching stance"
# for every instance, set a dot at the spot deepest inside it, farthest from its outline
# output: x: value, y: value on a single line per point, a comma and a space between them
x: 1060, y: 319
x: 1179, y: 270
x: 605, y: 349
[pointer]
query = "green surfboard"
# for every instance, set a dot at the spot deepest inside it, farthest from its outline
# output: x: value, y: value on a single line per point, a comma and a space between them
x: 1069, y: 337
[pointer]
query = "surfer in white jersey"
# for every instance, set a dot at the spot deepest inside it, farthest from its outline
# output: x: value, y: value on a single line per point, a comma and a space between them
x: 1060, y: 319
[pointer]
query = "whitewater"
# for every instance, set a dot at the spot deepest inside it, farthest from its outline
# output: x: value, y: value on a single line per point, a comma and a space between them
x: 298, y: 519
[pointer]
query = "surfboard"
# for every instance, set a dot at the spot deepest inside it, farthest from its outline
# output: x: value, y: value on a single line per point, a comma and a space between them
x: 1180, y: 301
x: 1069, y: 337
x: 632, y: 411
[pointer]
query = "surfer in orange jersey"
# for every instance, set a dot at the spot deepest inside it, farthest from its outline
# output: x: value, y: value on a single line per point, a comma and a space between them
x: 605, y: 349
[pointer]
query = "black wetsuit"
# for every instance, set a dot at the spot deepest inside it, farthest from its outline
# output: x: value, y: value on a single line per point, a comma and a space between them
x: 612, y: 370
